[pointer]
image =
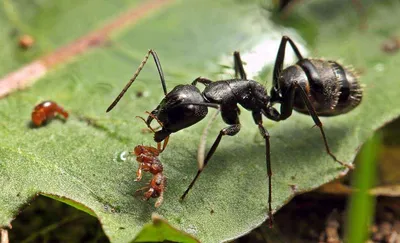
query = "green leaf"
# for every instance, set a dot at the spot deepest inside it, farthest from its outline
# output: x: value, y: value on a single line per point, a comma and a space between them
x: 159, y: 231
x: 80, y: 161
x: 51, y: 24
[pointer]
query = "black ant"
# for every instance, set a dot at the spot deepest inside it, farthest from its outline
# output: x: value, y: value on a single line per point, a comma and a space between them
x: 311, y: 86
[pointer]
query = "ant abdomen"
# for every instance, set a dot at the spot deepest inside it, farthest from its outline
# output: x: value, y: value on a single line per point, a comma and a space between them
x: 331, y: 88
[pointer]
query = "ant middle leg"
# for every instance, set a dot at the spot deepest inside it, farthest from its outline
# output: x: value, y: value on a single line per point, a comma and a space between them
x: 230, y: 131
x: 230, y: 116
x: 287, y: 108
x: 203, y: 139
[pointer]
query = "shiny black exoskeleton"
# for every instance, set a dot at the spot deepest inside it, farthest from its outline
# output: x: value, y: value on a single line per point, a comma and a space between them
x: 311, y: 86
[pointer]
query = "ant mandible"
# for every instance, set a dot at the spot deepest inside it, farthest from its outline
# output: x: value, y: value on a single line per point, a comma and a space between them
x: 311, y: 86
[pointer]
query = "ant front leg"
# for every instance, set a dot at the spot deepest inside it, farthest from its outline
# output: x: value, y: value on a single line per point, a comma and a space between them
x: 264, y: 133
x: 278, y: 67
x: 228, y: 114
x: 287, y: 108
x: 238, y: 65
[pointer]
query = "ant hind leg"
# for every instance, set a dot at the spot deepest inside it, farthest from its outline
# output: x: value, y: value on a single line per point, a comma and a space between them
x: 264, y: 133
x: 287, y: 108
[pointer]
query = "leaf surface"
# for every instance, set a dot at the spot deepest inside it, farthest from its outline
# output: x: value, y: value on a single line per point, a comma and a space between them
x: 80, y: 162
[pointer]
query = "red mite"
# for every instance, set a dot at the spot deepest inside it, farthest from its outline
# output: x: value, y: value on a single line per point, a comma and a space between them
x: 26, y: 41
x: 46, y: 111
x: 147, y: 157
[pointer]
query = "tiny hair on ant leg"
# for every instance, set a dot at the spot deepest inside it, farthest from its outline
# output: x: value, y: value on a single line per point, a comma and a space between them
x: 311, y: 86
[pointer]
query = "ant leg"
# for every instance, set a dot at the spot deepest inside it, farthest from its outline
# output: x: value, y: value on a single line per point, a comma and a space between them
x: 160, y: 72
x: 204, y: 81
x: 145, y: 188
x: 287, y: 108
x: 230, y: 131
x: 203, y: 139
x: 160, y: 189
x: 159, y: 200
x: 139, y: 173
x: 238, y: 65
x: 164, y: 144
x: 278, y: 67
x: 149, y: 193
x: 258, y: 120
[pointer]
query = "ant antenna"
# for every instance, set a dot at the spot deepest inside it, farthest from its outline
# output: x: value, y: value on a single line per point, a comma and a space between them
x: 155, y: 118
x: 148, y: 126
x: 160, y: 72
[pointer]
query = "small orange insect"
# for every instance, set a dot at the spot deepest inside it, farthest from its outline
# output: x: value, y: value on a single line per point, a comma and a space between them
x: 46, y: 111
x: 147, y: 157
x: 26, y: 41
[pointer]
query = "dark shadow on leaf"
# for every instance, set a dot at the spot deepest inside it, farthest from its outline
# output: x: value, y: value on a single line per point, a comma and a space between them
x: 49, y: 220
x: 31, y: 125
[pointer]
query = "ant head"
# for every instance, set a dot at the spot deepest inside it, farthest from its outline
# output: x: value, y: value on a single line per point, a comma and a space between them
x: 178, y: 110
